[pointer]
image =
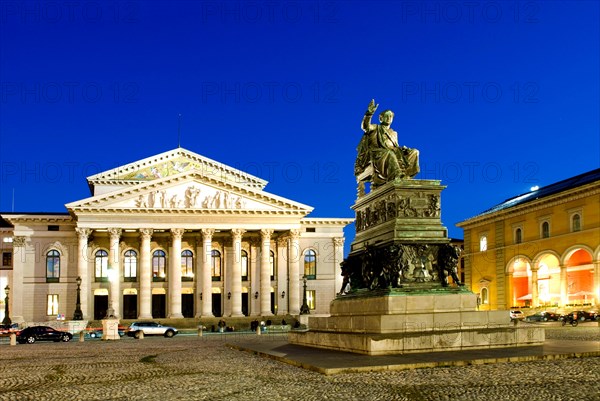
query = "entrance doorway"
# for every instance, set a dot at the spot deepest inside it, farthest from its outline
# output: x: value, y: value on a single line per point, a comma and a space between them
x: 100, y: 306
x: 159, y: 306
x: 130, y: 306
x: 187, y: 305
x: 216, y: 305
x: 245, y: 303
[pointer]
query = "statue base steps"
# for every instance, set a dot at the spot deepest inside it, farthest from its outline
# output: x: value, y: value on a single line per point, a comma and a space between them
x: 401, y: 323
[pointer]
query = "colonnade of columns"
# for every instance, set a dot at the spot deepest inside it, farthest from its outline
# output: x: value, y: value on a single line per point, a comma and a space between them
x: 203, y: 305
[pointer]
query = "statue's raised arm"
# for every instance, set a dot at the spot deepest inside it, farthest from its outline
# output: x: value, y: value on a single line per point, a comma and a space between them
x: 380, y: 159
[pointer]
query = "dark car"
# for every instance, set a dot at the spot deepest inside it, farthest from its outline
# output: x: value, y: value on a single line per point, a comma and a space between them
x: 151, y: 329
x: 32, y: 334
x: 6, y: 329
x: 542, y: 317
x: 97, y: 333
x: 581, y: 315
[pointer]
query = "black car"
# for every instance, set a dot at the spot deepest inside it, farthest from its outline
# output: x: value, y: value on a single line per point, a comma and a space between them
x: 581, y: 315
x: 542, y: 317
x: 42, y: 333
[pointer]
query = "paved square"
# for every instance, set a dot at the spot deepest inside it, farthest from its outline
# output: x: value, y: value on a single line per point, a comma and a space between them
x: 204, y: 368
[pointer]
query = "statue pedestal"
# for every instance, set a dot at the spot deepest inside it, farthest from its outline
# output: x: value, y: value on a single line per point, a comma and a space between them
x: 396, y: 322
x: 110, y: 329
x: 406, y: 211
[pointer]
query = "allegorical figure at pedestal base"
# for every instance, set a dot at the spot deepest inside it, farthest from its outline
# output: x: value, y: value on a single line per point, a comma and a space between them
x: 379, y: 150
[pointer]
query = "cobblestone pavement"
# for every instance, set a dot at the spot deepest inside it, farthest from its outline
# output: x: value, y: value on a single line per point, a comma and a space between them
x: 203, y: 368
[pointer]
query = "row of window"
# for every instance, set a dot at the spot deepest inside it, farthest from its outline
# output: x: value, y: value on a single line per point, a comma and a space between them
x: 544, y: 231
x: 159, y: 265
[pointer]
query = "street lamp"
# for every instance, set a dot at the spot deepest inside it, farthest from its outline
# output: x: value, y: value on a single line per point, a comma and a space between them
x: 6, y: 321
x: 78, y: 314
x: 304, y: 310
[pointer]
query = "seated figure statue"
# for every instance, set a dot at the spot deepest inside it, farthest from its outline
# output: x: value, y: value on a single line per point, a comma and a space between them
x: 379, y: 150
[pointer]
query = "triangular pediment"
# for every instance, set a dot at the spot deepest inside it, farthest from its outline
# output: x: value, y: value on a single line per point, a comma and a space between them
x: 168, y: 164
x: 190, y: 191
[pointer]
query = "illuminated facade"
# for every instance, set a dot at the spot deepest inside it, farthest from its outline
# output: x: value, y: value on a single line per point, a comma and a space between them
x: 538, y: 249
x: 176, y: 235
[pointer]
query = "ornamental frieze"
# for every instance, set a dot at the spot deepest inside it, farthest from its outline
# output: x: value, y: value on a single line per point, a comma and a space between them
x: 416, y: 205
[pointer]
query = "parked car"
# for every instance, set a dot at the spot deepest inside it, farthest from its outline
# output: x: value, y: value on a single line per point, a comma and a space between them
x: 97, y: 333
x: 516, y: 315
x: 542, y: 317
x: 581, y: 315
x: 151, y: 329
x: 32, y: 334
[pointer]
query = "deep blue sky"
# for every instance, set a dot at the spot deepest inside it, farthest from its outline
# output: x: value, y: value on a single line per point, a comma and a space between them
x: 497, y: 96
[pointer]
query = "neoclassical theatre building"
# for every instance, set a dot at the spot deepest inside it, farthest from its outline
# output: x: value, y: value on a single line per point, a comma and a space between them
x: 538, y: 249
x: 176, y: 235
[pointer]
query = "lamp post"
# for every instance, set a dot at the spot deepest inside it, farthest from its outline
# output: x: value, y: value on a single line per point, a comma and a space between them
x: 304, y: 310
x: 6, y: 321
x: 78, y: 314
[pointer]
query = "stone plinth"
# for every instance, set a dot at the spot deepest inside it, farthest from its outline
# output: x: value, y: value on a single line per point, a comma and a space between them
x: 399, y: 323
x: 406, y: 211
x: 110, y: 329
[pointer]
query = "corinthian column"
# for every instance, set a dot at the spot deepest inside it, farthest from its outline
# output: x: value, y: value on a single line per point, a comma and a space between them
x: 207, y: 235
x: 265, y: 273
x: 114, y: 275
x: 83, y: 268
x: 145, y: 275
x: 294, y: 261
x: 175, y: 275
x: 534, y: 288
x: 16, y: 289
x: 236, y: 277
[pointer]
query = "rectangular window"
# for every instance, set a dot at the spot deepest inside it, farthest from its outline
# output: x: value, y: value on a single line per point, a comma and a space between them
x: 53, y: 228
x: 311, y: 299
x: 311, y: 230
x: 6, y: 259
x: 52, y: 305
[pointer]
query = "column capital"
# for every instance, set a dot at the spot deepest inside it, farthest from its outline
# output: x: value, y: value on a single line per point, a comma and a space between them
x: 83, y: 232
x: 294, y: 234
x: 338, y: 241
x: 146, y: 233
x: 266, y: 233
x: 177, y: 233
x: 282, y: 242
x: 19, y: 241
x: 237, y: 233
x: 207, y: 233
x: 115, y: 232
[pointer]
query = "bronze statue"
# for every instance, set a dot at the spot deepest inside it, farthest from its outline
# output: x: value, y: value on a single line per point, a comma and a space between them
x: 380, y: 159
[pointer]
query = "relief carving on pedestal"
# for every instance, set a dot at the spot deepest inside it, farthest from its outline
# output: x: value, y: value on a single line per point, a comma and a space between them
x: 420, y: 205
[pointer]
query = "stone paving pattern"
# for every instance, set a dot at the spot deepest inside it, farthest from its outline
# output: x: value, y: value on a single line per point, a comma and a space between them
x: 204, y: 368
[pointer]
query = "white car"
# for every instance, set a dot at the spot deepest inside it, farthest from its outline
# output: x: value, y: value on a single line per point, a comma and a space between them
x: 516, y: 315
x: 150, y: 329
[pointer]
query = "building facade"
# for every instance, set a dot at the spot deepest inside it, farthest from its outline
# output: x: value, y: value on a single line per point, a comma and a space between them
x: 176, y: 235
x: 538, y: 249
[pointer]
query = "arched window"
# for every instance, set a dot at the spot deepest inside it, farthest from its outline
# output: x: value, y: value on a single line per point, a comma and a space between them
x: 310, y: 264
x: 244, y: 262
x: 518, y: 236
x: 101, y: 265
x: 483, y: 243
x: 159, y: 263
x: 272, y: 265
x: 130, y: 265
x: 187, y: 265
x: 216, y: 265
x: 576, y: 222
x: 52, y: 266
x: 545, y: 229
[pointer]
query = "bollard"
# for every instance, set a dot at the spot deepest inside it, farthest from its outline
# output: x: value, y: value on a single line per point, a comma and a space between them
x: 200, y: 331
x: 258, y: 330
x: 139, y: 334
x: 81, y: 336
x: 13, y: 339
